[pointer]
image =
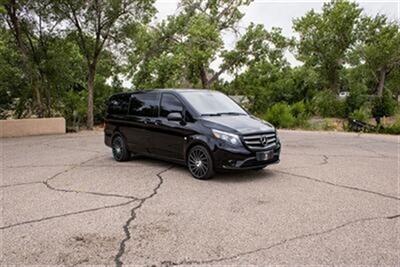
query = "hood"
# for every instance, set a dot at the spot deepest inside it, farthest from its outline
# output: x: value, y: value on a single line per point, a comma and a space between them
x: 237, y: 124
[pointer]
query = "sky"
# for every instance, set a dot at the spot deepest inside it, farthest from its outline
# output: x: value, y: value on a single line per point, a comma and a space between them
x: 280, y: 13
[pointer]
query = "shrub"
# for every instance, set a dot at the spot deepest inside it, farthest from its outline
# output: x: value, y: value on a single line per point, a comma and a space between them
x: 300, y: 113
x: 362, y: 114
x: 74, y: 107
x: 326, y: 104
x: 284, y: 116
x: 280, y: 116
x: 392, y: 129
x: 357, y: 99
x: 298, y: 109
x: 383, y: 106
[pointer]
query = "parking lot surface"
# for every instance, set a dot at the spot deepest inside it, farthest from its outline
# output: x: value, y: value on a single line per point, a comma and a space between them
x: 333, y: 199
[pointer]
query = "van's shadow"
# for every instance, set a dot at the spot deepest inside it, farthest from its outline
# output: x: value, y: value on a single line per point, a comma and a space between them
x: 240, y: 176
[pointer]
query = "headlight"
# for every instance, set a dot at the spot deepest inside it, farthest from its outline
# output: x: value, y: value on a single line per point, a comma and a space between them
x: 232, y: 139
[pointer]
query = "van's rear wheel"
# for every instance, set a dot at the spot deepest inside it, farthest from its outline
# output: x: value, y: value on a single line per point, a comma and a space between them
x: 200, y: 163
x: 120, y: 149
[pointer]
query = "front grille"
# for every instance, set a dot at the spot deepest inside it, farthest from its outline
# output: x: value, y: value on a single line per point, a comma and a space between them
x: 260, y: 141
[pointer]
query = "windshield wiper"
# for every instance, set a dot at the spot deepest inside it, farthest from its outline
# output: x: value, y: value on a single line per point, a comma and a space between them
x: 223, y: 113
x: 211, y: 114
x: 231, y: 113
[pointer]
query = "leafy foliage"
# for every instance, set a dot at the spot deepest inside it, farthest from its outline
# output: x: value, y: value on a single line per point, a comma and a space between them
x: 383, y: 106
x: 326, y: 39
x: 285, y: 116
x: 362, y: 114
x: 64, y: 58
x: 326, y: 104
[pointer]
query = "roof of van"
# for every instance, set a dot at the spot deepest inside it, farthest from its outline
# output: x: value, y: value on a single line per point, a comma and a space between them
x: 173, y: 89
x: 164, y: 90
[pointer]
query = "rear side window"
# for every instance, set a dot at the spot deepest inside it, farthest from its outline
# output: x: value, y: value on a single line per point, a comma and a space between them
x: 170, y: 103
x: 145, y: 105
x: 118, y: 104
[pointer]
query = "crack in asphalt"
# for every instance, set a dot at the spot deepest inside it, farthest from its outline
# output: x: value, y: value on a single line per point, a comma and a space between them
x: 49, y: 186
x: 141, y: 201
x: 19, y: 184
x: 280, y: 243
x: 66, y: 214
x: 122, y: 246
x: 339, y: 185
x: 39, y: 166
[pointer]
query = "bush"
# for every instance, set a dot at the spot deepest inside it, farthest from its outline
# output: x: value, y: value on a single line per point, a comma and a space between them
x: 383, y: 106
x: 362, y: 114
x: 284, y: 116
x: 280, y: 116
x: 300, y: 113
x: 74, y: 107
x: 392, y: 129
x: 326, y: 104
x: 357, y: 99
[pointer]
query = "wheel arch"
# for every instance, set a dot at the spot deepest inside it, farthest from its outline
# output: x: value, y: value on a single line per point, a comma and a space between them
x: 117, y: 132
x: 195, y: 142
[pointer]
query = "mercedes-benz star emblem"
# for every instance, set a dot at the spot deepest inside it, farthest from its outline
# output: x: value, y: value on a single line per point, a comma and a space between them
x: 263, y: 140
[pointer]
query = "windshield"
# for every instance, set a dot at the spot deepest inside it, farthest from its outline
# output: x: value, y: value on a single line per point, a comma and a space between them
x: 212, y: 103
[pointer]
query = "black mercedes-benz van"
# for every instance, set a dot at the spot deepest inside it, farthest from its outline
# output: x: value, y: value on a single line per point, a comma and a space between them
x: 205, y: 130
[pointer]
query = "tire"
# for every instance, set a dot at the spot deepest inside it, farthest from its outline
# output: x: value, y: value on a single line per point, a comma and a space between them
x: 120, y: 149
x: 200, y: 163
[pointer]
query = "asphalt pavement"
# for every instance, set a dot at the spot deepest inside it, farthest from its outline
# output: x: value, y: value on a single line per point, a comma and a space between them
x: 334, y: 199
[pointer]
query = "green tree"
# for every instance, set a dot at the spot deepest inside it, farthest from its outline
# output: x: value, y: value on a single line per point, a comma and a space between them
x: 22, y: 28
x: 379, y: 49
x: 180, y: 50
x: 97, y: 24
x: 326, y: 39
x: 47, y: 60
x: 12, y: 82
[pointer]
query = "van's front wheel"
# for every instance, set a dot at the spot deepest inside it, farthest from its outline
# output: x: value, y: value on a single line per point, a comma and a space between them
x: 120, y: 149
x: 200, y: 163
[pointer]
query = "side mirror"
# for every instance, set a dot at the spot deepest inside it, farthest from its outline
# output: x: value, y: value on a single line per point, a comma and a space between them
x: 174, y: 116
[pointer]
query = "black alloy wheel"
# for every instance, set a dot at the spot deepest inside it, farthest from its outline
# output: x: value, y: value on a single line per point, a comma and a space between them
x: 119, y: 149
x: 200, y: 163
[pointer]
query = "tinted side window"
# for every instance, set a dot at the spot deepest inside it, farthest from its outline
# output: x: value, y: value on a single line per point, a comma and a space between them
x: 169, y: 103
x: 118, y: 104
x: 145, y: 105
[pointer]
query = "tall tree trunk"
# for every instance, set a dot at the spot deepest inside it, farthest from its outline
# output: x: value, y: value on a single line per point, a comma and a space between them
x: 90, y: 84
x: 37, y: 95
x: 204, y: 80
x: 335, y: 82
x: 381, y: 84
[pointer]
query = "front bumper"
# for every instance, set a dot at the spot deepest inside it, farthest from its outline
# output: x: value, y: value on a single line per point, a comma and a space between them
x: 225, y: 159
